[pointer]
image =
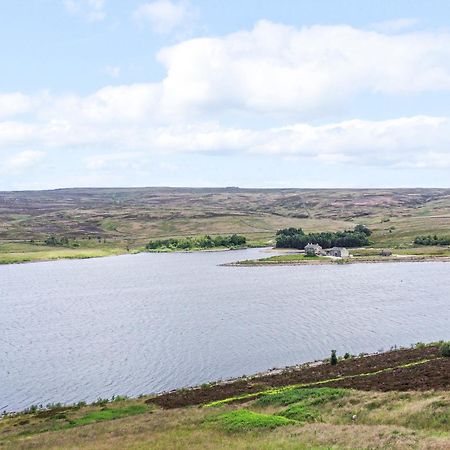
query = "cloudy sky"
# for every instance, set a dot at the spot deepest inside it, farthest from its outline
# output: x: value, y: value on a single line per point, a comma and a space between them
x: 253, y: 93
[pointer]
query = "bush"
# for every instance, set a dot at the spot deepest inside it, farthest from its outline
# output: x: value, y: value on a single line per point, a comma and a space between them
x: 333, y: 359
x: 300, y: 413
x: 444, y: 350
x: 432, y: 240
x: 245, y: 420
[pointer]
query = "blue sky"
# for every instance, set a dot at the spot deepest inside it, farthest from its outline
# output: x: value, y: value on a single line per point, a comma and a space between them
x: 211, y: 93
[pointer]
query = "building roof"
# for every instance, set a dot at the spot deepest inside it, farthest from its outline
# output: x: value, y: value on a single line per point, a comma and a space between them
x: 312, y: 246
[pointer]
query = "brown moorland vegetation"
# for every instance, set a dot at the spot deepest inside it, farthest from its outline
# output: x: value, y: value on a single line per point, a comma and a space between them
x: 115, y: 220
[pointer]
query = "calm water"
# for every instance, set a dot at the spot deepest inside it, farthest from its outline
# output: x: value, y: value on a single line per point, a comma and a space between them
x: 77, y: 330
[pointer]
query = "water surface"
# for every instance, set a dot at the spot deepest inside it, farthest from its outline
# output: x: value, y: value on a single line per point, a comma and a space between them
x: 82, y: 329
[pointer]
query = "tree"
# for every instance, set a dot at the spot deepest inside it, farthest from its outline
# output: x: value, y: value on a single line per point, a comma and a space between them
x: 333, y: 359
x: 362, y: 229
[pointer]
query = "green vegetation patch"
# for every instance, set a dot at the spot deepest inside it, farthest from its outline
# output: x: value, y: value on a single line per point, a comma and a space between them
x: 432, y: 240
x: 110, y: 414
x: 301, y: 413
x: 202, y: 242
x: 245, y: 420
x: 312, y: 396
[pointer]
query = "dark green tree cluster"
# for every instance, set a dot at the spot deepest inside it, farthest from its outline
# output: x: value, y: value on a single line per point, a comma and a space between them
x: 297, y: 238
x: 206, y: 241
x: 54, y: 241
x: 432, y: 240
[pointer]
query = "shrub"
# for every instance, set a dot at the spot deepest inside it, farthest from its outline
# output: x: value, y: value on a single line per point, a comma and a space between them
x: 333, y: 358
x: 444, y: 350
x: 245, y: 420
x: 300, y: 413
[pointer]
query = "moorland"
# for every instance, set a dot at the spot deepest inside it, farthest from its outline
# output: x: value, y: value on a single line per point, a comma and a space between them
x: 108, y: 221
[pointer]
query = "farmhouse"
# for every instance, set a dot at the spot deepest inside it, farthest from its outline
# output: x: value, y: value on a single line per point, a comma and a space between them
x: 313, y: 250
x: 338, y: 252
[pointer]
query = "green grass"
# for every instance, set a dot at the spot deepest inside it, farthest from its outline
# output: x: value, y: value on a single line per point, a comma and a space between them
x: 288, y: 258
x: 245, y: 420
x: 310, y: 396
x: 19, y: 252
x: 110, y: 414
x: 300, y: 413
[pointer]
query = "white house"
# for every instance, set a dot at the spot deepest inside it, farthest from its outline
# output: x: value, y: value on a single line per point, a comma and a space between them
x: 313, y: 249
x: 338, y: 252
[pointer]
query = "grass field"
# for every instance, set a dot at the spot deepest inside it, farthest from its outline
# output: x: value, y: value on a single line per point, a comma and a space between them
x: 115, y: 221
x: 292, y: 417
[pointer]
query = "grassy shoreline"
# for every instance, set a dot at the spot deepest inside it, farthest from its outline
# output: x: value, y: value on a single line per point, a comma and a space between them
x: 20, y: 252
x: 401, y: 398
x: 23, y: 252
x: 282, y: 261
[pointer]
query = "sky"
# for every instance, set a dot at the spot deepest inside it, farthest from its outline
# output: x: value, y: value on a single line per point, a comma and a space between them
x: 268, y: 93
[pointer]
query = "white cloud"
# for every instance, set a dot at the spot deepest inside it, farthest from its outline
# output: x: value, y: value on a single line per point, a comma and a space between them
x: 419, y: 141
x: 271, y: 69
x: 164, y: 16
x: 23, y: 160
x: 303, y: 73
x: 122, y: 160
x: 308, y: 71
x: 13, y: 104
x: 395, y: 25
x: 91, y: 10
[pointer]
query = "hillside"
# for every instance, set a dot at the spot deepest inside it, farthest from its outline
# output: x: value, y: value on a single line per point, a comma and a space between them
x: 399, y: 399
x: 108, y: 221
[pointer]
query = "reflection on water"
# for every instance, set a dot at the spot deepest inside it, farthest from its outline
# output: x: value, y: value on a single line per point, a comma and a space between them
x: 78, y: 330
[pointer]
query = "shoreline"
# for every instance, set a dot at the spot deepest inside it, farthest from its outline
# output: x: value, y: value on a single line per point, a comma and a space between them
x: 115, y: 253
x: 409, y: 388
x: 396, y: 369
x: 312, y: 373
x: 355, y: 260
x: 244, y: 263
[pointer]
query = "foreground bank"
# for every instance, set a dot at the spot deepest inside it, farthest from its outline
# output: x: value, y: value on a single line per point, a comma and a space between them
x: 398, y: 399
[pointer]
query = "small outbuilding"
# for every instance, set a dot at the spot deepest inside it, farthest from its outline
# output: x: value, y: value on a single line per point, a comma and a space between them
x: 313, y: 250
x: 338, y: 252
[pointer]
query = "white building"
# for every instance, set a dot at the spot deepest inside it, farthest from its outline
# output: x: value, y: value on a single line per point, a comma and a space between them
x: 313, y: 250
x: 338, y: 252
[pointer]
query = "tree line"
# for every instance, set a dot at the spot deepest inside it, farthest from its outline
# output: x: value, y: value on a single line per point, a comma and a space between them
x: 206, y: 241
x: 432, y: 240
x: 297, y: 238
x: 54, y: 241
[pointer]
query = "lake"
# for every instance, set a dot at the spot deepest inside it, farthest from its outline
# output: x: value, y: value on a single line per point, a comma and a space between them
x: 82, y: 329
